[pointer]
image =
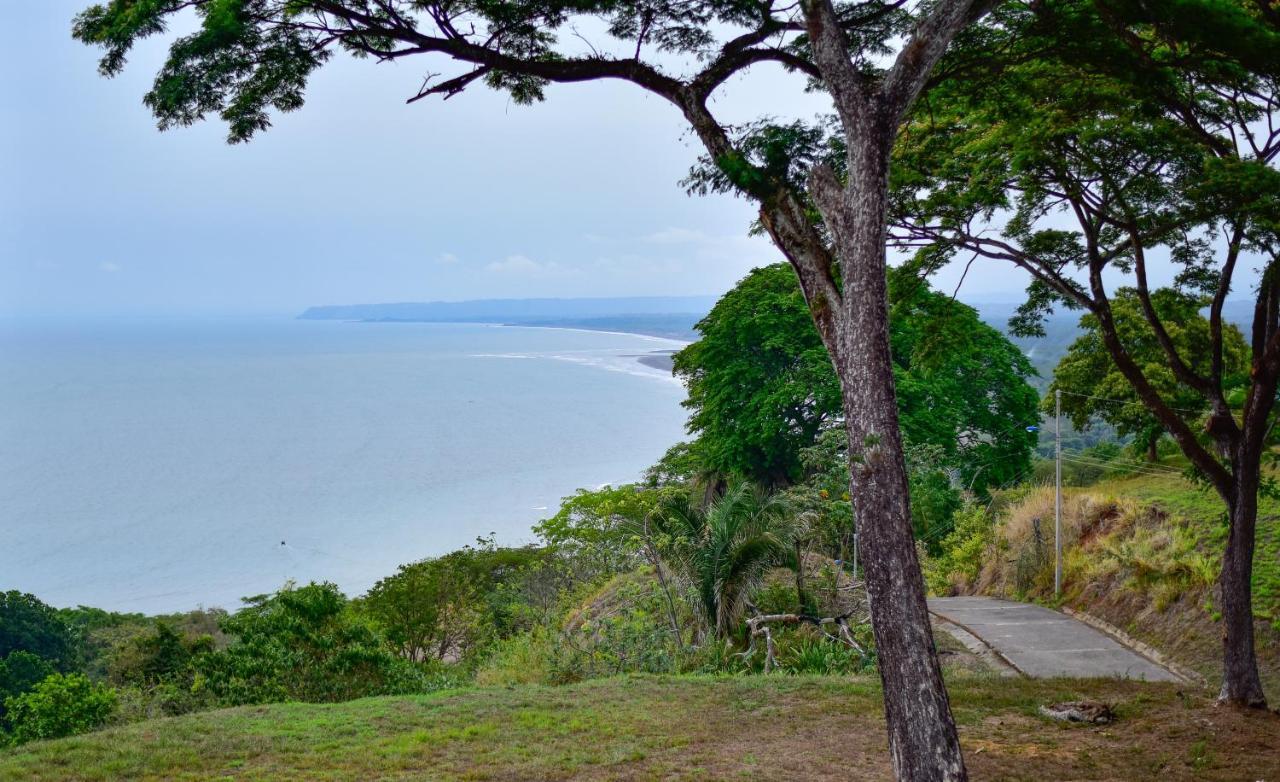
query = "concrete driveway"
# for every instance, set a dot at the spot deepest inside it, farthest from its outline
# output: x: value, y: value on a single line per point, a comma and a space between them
x: 1042, y: 643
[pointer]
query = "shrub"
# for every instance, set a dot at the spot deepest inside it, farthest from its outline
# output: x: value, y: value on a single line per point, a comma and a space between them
x: 527, y: 658
x: 623, y: 626
x: 306, y: 644
x: 962, y: 552
x: 776, y: 597
x: 61, y: 705
x: 801, y: 653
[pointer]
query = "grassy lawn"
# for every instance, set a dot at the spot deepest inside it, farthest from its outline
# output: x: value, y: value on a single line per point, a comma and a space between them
x: 779, y: 727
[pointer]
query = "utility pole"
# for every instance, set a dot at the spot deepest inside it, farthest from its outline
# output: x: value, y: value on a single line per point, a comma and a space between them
x: 1057, y: 493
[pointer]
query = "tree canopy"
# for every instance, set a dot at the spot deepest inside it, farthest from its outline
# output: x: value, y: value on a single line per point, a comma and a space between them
x: 28, y: 625
x: 762, y: 388
x: 1093, y: 386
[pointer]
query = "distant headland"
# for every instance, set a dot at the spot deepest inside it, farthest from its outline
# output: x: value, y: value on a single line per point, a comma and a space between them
x: 671, y: 317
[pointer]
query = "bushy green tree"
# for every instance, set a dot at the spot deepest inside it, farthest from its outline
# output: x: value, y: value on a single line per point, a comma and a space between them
x: 602, y: 528
x: 61, y: 705
x: 1093, y: 386
x: 28, y: 625
x: 163, y: 655
x: 762, y: 388
x: 760, y: 383
x: 433, y: 609
x: 19, y: 672
x: 450, y: 607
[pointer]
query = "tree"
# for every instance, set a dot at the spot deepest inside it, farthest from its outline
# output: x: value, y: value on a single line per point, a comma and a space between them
x: 601, y: 529
x: 722, y: 549
x: 1093, y: 386
x: 303, y: 643
x: 28, y: 625
x: 251, y: 56
x: 762, y: 389
x: 1152, y: 129
x: 760, y: 383
x: 450, y: 607
x: 432, y: 609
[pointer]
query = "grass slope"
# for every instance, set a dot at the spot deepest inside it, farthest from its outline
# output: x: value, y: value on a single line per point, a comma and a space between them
x: 778, y: 727
x: 1203, y: 512
x: 1143, y: 552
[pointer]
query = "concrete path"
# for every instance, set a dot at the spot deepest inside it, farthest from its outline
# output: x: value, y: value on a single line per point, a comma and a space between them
x: 1042, y: 643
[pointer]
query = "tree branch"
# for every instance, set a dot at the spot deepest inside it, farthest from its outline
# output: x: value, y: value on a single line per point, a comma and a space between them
x: 929, y: 41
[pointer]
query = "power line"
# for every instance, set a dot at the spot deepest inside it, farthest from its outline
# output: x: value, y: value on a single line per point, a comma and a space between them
x: 1120, y: 462
x: 1128, y: 468
x: 1127, y: 401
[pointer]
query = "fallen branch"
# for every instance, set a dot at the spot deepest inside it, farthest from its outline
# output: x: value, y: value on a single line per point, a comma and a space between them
x: 759, y: 626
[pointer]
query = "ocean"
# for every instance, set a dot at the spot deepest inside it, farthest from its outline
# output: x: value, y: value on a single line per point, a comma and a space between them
x: 161, y: 466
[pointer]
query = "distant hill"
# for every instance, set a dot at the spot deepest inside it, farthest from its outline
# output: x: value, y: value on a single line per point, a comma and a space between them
x: 1062, y: 328
x: 671, y: 317
x: 674, y: 317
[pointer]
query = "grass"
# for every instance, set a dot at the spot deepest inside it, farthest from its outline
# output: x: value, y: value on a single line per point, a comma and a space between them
x: 1201, y: 512
x: 635, y: 728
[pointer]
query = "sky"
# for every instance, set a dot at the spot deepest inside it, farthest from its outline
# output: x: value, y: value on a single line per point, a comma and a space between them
x: 358, y: 197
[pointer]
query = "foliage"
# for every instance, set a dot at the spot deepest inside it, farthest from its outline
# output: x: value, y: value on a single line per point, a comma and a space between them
x: 723, y: 548
x: 61, y: 705
x: 802, y: 653
x: 620, y: 627
x: 762, y: 388
x: 962, y: 552
x: 684, y: 463
x: 1090, y: 380
x: 431, y: 609
x: 776, y: 597
x: 109, y: 639
x: 28, y: 625
x: 1150, y: 128
x: 304, y: 643
x: 162, y: 655
x: 19, y: 672
x: 450, y: 607
x: 156, y: 671
x: 600, y: 529
x: 760, y: 383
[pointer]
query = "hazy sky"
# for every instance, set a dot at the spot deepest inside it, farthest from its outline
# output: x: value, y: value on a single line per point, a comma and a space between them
x: 357, y: 197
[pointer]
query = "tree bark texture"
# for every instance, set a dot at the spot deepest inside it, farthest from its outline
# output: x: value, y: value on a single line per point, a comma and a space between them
x: 922, y: 734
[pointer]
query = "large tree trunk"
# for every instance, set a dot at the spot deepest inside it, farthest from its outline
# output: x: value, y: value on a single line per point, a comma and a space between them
x: 1240, y: 682
x: 922, y: 734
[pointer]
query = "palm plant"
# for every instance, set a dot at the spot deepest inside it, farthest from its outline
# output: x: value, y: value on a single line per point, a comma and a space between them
x: 723, y: 547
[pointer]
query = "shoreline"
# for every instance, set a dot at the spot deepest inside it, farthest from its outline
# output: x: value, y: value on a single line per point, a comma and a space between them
x: 661, y: 360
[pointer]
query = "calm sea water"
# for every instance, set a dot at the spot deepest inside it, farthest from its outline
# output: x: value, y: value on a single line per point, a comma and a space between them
x: 160, y: 466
